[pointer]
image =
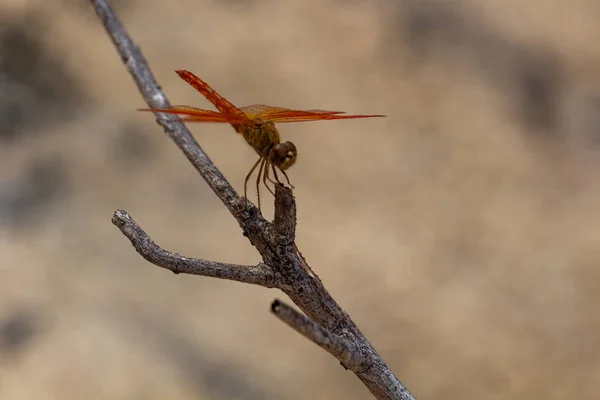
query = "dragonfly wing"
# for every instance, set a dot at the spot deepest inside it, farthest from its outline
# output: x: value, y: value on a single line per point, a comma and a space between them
x: 222, y: 104
x: 280, y: 114
x: 322, y: 117
x: 261, y: 111
x: 193, y: 114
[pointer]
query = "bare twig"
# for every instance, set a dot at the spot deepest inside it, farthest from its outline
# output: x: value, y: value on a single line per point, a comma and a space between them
x: 342, y: 349
x: 283, y: 267
x: 260, y: 274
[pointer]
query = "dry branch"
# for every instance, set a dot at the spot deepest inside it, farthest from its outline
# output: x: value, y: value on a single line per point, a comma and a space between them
x: 283, y: 267
x: 342, y: 349
x: 260, y: 274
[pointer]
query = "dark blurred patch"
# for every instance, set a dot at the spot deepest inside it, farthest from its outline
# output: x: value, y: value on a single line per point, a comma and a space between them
x: 132, y: 147
x: 212, y: 378
x: 532, y: 78
x: 423, y: 23
x: 539, y: 82
x: 35, y: 86
x: 22, y: 202
x: 16, y: 331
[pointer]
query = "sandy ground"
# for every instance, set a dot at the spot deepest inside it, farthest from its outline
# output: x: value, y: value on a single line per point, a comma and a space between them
x: 462, y: 232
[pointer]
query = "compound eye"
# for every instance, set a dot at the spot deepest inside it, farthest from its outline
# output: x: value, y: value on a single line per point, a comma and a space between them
x: 282, y: 151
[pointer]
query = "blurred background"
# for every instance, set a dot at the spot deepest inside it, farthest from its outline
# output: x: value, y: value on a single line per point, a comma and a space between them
x: 461, y: 233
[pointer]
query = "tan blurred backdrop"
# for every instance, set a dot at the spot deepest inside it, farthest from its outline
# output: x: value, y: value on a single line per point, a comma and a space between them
x: 462, y: 233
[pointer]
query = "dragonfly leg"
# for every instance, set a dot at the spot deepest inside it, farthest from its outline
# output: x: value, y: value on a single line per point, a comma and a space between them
x: 276, y: 176
x: 269, y: 178
x: 287, y: 179
x: 266, y: 176
x: 246, y: 181
x: 284, y: 174
x: 260, y: 171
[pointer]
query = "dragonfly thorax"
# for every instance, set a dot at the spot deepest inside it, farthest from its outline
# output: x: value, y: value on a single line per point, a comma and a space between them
x: 264, y: 139
x: 262, y: 136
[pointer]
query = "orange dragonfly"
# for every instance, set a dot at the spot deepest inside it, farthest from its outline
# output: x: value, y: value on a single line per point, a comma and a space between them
x: 256, y: 123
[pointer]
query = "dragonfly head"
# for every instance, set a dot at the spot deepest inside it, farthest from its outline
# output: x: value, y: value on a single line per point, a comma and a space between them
x: 283, y: 155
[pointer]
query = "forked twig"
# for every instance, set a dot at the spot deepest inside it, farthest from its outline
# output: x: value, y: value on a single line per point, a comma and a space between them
x: 283, y: 267
x: 260, y: 274
x: 342, y: 349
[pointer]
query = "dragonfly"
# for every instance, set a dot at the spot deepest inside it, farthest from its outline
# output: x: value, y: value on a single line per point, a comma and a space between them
x: 256, y: 124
